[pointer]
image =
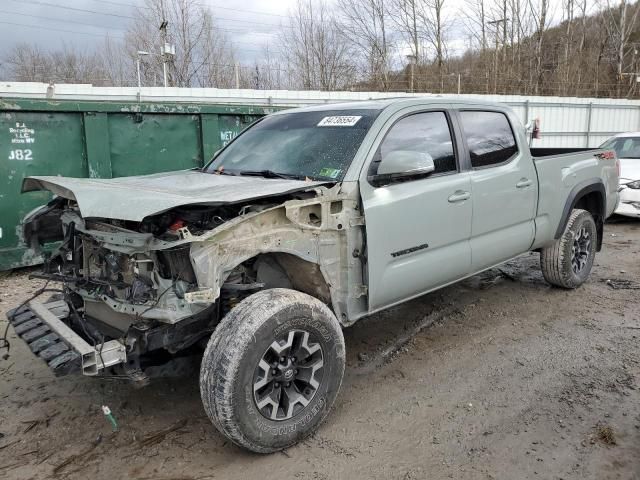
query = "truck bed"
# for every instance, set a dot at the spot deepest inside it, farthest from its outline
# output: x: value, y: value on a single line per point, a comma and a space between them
x: 562, y: 170
x: 547, y: 152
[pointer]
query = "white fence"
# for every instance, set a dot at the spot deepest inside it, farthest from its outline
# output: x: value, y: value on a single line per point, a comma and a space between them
x: 564, y: 121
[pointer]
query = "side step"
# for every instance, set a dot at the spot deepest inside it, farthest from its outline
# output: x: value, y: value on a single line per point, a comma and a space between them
x: 50, y: 338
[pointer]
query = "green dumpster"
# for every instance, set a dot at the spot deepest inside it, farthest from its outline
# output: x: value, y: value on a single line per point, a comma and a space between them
x: 100, y: 140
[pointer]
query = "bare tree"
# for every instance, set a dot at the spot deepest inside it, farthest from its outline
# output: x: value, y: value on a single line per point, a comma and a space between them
x: 118, y: 69
x: 475, y: 19
x: 367, y: 24
x: 406, y: 15
x: 201, y: 48
x: 433, y: 19
x: 316, y: 50
x: 29, y: 63
x: 539, y: 10
x: 620, y: 24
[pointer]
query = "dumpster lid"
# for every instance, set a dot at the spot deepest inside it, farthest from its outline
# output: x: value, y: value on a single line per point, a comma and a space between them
x: 134, y: 198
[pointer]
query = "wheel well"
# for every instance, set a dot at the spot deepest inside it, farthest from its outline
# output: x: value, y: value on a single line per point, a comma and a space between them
x: 275, y: 269
x: 593, y: 202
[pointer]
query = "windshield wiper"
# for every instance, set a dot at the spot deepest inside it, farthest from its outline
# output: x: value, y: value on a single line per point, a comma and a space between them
x: 271, y: 174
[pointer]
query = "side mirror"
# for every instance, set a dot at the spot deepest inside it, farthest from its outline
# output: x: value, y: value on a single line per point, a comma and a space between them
x: 402, y: 164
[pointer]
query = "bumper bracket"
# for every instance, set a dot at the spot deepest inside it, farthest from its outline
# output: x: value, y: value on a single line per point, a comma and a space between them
x: 41, y: 327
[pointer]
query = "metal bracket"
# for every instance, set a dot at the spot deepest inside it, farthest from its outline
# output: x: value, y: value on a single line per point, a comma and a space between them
x: 356, y: 221
x: 360, y: 291
x: 184, y: 233
x: 94, y: 359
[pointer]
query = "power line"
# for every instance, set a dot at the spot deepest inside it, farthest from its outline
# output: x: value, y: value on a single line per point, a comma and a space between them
x: 102, y: 34
x: 255, y: 12
x: 117, y: 15
x: 59, y: 30
x: 46, y: 4
x: 58, y: 20
x: 114, y: 28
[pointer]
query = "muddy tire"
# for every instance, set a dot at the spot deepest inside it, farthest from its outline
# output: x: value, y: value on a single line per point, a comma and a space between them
x: 272, y: 369
x: 567, y: 263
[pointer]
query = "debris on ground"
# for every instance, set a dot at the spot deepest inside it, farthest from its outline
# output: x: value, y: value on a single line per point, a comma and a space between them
x: 79, y: 457
x: 621, y: 284
x: 159, y: 436
x: 606, y: 435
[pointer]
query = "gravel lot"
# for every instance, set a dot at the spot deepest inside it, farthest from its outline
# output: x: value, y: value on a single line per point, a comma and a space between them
x: 499, y: 376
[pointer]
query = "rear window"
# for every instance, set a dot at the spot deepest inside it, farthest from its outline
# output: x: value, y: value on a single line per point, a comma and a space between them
x: 489, y: 137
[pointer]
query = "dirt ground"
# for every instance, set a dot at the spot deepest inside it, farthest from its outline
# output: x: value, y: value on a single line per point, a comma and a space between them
x: 497, y: 377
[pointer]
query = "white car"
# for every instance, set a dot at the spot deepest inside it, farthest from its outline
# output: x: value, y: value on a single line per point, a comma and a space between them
x: 627, y: 148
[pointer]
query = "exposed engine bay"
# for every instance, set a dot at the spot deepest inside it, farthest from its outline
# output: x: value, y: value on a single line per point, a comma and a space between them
x: 161, y: 285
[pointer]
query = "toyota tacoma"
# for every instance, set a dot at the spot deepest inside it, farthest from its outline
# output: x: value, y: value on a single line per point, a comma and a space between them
x: 309, y: 220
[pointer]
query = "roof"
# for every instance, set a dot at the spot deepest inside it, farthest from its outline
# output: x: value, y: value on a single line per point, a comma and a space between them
x: 395, y: 102
x: 628, y: 134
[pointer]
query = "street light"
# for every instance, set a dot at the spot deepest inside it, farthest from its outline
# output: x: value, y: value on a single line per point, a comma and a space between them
x: 141, y: 53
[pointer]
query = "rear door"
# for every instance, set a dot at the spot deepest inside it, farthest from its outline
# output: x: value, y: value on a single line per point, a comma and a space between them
x: 417, y: 230
x: 504, y: 185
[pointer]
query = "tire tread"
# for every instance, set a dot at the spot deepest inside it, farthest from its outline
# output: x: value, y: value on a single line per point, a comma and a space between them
x: 554, y: 262
x: 220, y: 366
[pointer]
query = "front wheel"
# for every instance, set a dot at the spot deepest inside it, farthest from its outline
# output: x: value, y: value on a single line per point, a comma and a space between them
x: 272, y: 369
x: 567, y: 263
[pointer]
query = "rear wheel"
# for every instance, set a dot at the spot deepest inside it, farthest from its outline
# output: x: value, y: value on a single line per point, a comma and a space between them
x: 272, y: 369
x: 567, y: 263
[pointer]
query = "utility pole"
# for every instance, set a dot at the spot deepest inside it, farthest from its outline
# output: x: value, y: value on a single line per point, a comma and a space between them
x: 163, y: 34
x: 167, y: 51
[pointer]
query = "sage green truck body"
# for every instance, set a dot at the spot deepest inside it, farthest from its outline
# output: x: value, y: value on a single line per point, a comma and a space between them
x: 360, y: 242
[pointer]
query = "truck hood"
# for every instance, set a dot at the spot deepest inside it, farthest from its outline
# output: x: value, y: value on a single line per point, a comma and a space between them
x: 629, y: 169
x: 134, y: 198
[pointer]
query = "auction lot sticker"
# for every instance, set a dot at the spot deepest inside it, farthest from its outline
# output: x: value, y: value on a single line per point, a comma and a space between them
x: 339, y: 121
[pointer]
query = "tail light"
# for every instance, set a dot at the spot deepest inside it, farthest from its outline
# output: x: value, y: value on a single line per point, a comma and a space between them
x: 535, y: 133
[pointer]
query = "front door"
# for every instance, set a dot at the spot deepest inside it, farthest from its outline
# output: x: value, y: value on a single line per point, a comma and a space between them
x: 418, y: 229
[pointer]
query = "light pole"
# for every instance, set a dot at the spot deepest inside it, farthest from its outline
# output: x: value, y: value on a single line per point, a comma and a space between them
x: 140, y: 53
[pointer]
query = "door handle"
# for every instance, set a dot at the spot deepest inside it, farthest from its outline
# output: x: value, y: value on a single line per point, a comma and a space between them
x: 459, y: 196
x: 524, y: 183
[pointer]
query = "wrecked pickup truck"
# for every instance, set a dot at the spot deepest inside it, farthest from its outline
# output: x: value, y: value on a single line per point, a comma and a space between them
x: 308, y: 221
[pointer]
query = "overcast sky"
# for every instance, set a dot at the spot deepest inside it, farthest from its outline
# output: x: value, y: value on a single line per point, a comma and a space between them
x: 250, y: 24
x: 84, y: 24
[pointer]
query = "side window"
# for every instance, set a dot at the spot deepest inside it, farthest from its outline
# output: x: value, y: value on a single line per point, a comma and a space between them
x: 421, y: 132
x: 489, y: 137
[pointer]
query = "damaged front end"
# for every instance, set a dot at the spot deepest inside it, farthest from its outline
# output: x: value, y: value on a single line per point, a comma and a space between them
x: 137, y: 294
x: 122, y: 284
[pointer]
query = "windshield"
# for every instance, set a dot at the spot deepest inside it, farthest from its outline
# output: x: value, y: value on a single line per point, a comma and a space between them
x: 625, y: 147
x: 317, y: 145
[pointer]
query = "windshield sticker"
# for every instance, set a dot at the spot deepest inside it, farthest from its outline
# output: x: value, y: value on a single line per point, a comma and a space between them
x: 330, y: 172
x: 339, y: 121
